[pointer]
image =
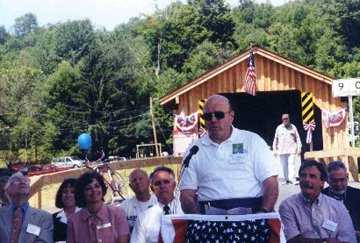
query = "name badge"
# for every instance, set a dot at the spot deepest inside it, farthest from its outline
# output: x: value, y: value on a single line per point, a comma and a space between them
x: 237, y: 148
x: 103, y: 226
x: 33, y: 229
x: 329, y: 225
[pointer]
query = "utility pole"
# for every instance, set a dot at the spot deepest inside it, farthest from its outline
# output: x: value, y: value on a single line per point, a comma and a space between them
x: 154, y: 128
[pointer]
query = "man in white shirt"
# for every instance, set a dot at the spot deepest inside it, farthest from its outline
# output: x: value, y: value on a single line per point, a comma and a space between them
x: 227, y: 171
x: 147, y: 227
x: 287, y: 145
x: 139, y: 183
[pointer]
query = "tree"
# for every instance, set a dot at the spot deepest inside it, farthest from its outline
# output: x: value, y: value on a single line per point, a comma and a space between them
x: 4, y: 35
x: 73, y: 40
x: 216, y: 18
x: 25, y: 24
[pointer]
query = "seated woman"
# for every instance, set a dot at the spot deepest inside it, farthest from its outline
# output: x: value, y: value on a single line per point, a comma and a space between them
x: 65, y: 199
x: 96, y: 222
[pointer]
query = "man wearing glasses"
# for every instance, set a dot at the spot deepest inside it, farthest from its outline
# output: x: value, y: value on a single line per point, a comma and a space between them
x: 227, y: 171
x: 18, y: 221
x: 287, y: 146
x: 147, y: 226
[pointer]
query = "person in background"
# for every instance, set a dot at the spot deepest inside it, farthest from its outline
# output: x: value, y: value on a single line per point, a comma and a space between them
x: 65, y: 199
x: 338, y: 180
x: 4, y: 199
x: 287, y: 145
x: 139, y: 184
x: 227, y: 171
x: 96, y: 222
x: 310, y: 216
x: 147, y: 227
x: 18, y: 221
x: 4, y: 177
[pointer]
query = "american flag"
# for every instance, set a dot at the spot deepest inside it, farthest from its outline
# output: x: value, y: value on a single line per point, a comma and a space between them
x: 259, y: 228
x: 250, y: 79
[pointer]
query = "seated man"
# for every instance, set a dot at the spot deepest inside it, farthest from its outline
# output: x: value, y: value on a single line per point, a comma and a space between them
x: 338, y: 188
x: 311, y: 216
x: 4, y: 177
x: 4, y: 199
x: 18, y: 221
x: 147, y: 227
x: 139, y: 183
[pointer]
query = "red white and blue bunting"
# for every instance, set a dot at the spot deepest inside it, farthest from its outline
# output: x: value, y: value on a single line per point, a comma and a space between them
x: 309, y: 128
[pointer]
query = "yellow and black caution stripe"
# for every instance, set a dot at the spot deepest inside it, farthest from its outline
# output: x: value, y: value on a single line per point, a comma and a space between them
x: 307, y: 106
x: 201, y: 104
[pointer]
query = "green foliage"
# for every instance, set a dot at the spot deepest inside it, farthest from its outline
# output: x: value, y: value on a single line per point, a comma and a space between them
x: 25, y: 24
x: 64, y: 79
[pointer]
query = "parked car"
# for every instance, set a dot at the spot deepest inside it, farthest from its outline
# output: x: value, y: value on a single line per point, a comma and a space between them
x: 68, y: 161
x: 116, y: 158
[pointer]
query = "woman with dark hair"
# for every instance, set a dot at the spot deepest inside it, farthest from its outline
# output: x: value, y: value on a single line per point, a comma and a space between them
x: 96, y: 222
x: 65, y: 199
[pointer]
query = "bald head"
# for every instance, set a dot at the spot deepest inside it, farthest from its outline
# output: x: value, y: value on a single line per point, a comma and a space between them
x: 217, y: 99
x: 219, y: 118
x: 139, y: 183
x: 137, y: 172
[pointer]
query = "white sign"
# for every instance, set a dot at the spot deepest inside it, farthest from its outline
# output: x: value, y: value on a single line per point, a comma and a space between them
x: 346, y: 87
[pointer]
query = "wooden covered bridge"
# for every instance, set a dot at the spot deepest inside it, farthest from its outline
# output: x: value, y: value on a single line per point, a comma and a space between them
x: 279, y: 86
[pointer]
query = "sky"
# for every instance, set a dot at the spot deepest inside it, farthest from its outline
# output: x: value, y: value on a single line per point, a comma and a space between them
x: 102, y: 13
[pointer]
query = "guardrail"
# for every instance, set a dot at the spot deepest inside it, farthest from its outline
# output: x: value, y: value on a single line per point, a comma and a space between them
x: 41, y: 181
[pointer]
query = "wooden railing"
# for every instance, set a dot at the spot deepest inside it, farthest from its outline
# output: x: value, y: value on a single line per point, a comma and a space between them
x: 350, y: 156
x: 39, y: 182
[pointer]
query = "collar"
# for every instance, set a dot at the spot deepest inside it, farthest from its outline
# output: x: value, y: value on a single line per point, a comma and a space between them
x: 207, y: 140
x: 336, y: 195
x: 101, y: 214
x: 290, y: 126
x: 317, y: 201
x: 23, y: 207
x: 62, y: 216
x: 172, y: 204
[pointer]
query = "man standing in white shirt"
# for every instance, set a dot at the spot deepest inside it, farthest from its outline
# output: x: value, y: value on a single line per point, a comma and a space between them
x: 287, y: 145
x: 228, y: 170
x: 139, y: 184
x: 147, y: 227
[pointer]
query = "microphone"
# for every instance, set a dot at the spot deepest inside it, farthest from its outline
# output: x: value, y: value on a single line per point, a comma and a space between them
x: 185, y: 164
x: 192, y: 152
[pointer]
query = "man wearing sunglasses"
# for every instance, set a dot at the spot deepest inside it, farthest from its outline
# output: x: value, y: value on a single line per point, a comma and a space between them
x: 231, y: 171
x: 287, y: 145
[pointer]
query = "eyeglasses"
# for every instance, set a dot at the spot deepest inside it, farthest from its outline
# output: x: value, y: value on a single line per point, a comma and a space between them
x: 161, y: 182
x: 208, y: 116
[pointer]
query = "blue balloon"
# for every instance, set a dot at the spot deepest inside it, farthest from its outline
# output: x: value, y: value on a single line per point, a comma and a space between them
x: 84, y: 141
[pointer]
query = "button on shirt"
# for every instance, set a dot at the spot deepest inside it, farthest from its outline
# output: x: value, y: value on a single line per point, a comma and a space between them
x: 106, y: 226
x: 287, y: 140
x: 325, y: 218
x: 235, y: 168
x: 147, y: 227
x: 134, y: 207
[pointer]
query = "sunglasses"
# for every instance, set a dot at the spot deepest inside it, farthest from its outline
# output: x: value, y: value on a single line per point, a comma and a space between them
x: 208, y: 116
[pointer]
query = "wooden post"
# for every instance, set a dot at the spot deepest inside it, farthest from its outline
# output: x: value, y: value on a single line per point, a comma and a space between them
x: 153, y: 127
x: 39, y: 198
